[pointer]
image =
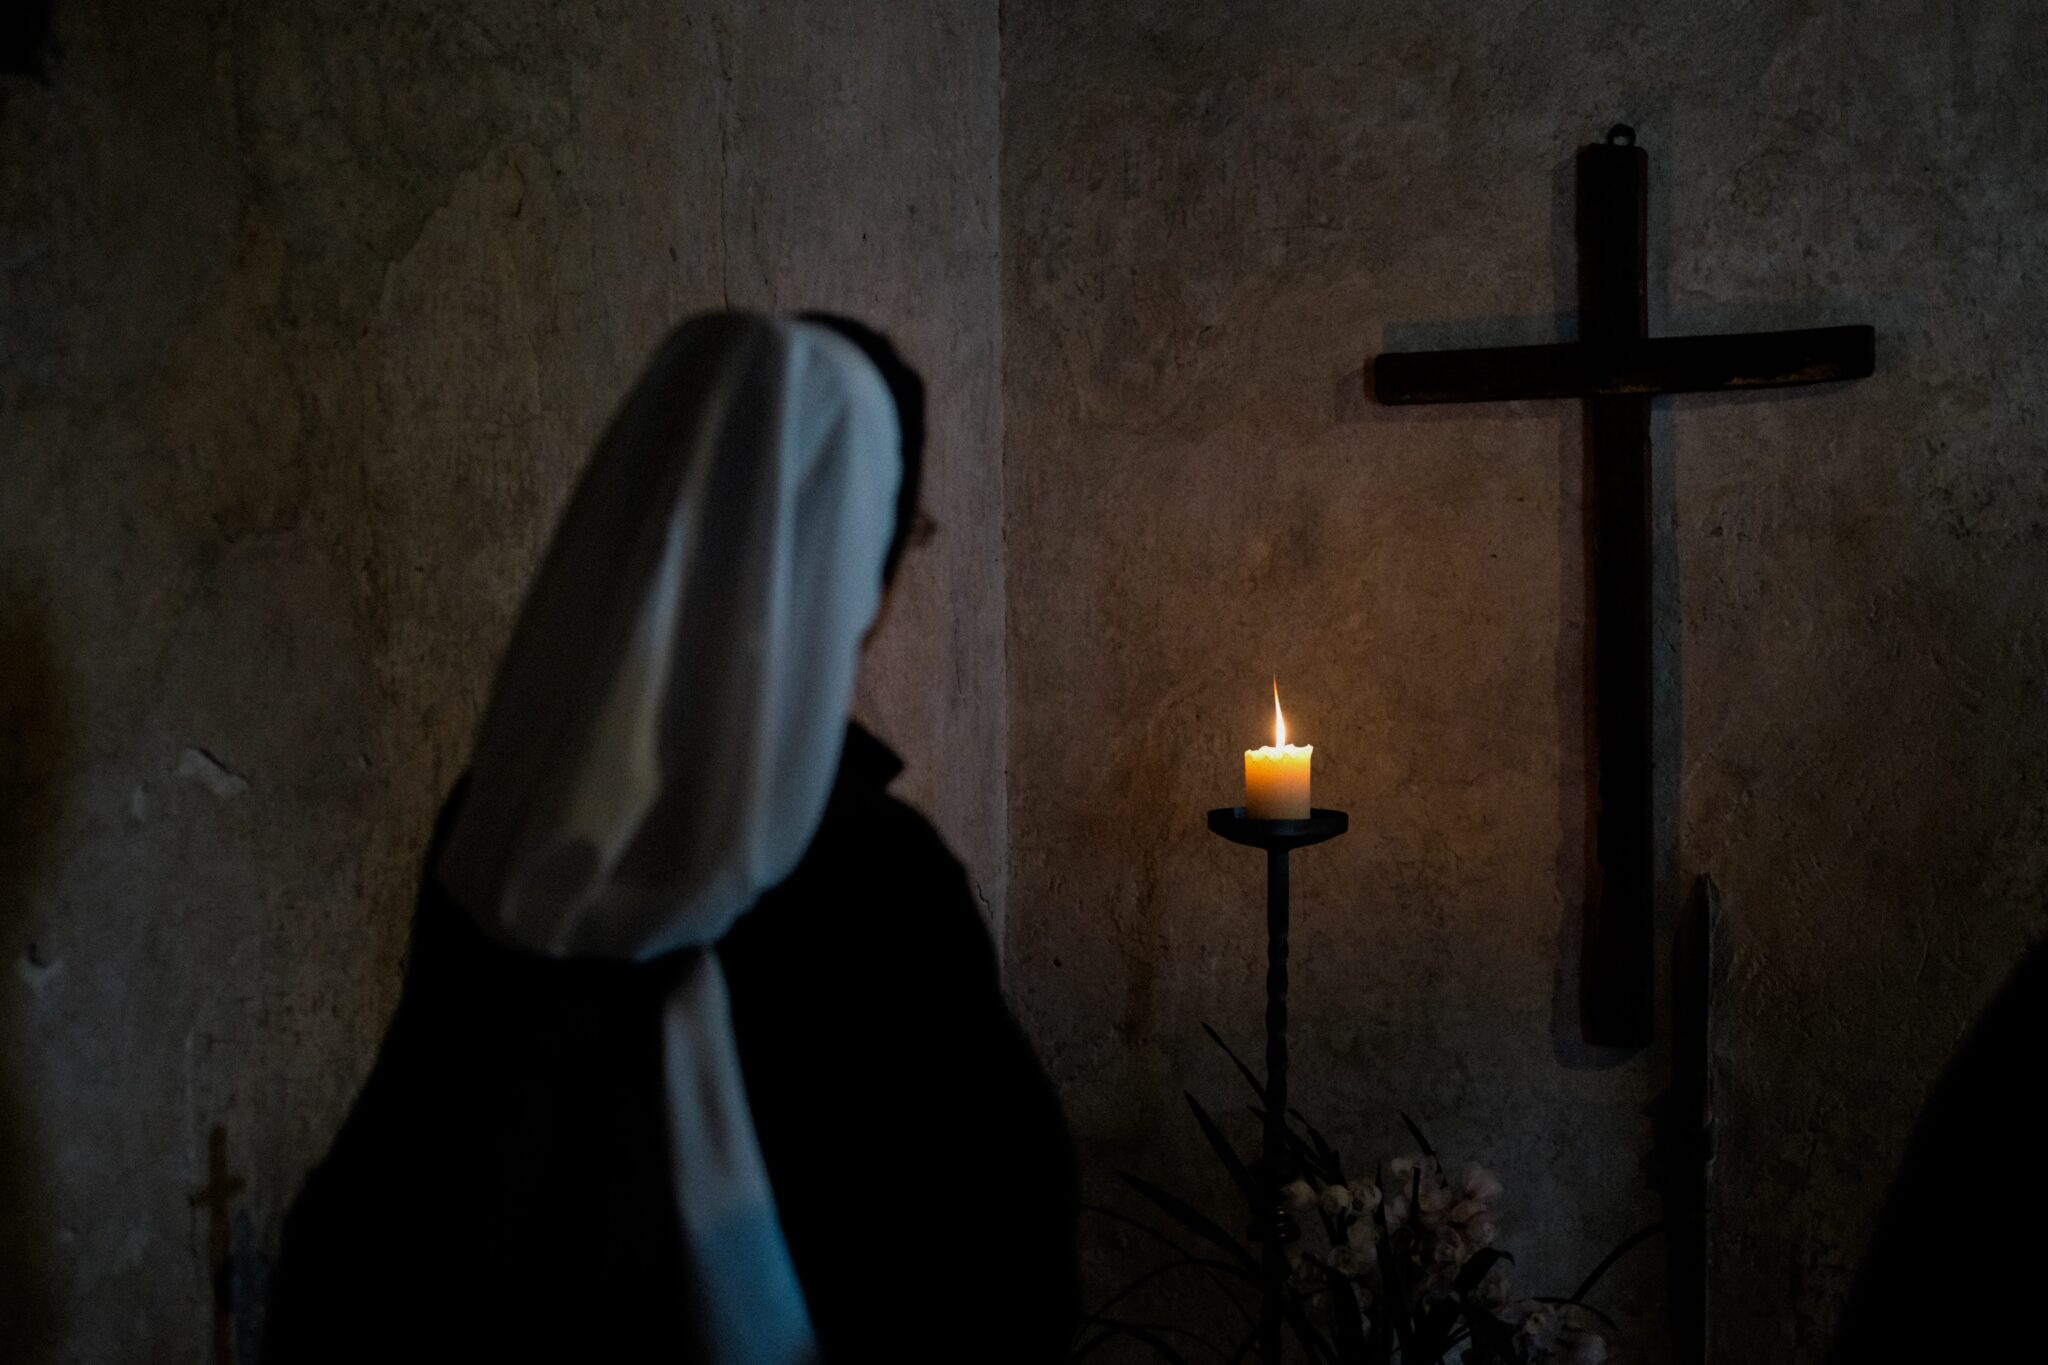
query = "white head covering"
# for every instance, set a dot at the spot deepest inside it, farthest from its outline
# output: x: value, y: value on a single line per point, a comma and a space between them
x: 667, y: 726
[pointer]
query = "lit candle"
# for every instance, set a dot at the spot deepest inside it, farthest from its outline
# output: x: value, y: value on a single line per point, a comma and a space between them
x: 1276, y: 777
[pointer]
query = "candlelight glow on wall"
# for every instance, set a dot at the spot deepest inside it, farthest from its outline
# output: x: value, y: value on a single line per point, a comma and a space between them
x: 1276, y: 776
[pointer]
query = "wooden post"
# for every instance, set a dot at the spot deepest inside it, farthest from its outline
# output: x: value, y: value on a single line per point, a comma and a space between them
x: 1689, y: 1136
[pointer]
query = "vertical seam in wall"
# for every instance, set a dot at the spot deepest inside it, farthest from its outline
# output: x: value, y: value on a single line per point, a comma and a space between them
x: 721, y: 32
x: 997, y: 258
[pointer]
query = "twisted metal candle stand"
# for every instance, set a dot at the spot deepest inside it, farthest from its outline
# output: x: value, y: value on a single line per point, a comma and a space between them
x: 1272, y: 1225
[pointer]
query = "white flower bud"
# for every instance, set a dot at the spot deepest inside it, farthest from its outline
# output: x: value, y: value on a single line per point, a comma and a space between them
x: 1347, y: 1261
x: 1476, y: 1182
x: 1540, y: 1328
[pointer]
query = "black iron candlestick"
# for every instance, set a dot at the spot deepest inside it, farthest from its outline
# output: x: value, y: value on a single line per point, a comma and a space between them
x: 1272, y: 1225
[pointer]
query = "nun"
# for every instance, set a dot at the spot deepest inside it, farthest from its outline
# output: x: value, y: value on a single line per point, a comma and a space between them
x: 701, y: 1054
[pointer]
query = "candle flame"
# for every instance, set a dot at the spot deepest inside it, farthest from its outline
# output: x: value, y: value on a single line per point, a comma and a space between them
x: 1279, y: 721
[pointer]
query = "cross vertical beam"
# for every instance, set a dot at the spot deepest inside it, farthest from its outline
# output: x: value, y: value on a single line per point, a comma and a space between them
x: 1614, y: 315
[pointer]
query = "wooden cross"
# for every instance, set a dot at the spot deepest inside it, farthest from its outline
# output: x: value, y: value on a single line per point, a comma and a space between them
x: 1616, y: 366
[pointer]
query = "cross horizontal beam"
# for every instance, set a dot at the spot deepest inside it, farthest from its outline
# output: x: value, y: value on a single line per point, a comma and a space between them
x: 1741, y: 360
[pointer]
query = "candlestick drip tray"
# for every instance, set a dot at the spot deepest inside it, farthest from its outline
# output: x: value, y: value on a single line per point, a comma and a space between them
x: 1233, y: 824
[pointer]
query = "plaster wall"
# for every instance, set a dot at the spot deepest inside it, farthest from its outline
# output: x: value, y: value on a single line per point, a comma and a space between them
x: 1212, y: 215
x: 308, y: 317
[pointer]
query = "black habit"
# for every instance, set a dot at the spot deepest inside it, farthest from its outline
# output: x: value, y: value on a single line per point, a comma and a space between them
x: 1957, y: 1258
x: 502, y: 1188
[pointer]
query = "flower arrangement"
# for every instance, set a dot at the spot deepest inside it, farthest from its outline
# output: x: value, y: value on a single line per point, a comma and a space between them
x: 1397, y: 1266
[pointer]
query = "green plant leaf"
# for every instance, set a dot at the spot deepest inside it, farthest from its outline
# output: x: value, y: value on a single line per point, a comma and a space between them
x: 1250, y: 1077
x: 1350, y: 1335
x: 1311, y: 1159
x: 1612, y: 1325
x: 1118, y: 1216
x: 1190, y: 1218
x: 1305, y: 1331
x: 1226, y: 1154
x: 1483, y: 1260
x: 1380, y: 1341
x: 1628, y: 1244
x: 1394, y: 1271
x: 1492, y: 1338
x: 1211, y: 1270
x: 1184, y: 1263
x: 1149, y: 1333
x: 1420, y: 1140
x: 1324, y: 1150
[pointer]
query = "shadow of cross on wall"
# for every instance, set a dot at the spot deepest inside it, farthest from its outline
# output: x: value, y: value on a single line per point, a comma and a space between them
x: 219, y: 1191
x: 1616, y: 367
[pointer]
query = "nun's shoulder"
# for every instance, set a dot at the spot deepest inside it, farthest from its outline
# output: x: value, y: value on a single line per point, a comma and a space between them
x: 877, y: 878
x: 894, y: 848
x: 917, y: 902
x: 881, y: 883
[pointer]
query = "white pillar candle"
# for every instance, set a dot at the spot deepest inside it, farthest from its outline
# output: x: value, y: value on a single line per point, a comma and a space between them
x: 1276, y: 776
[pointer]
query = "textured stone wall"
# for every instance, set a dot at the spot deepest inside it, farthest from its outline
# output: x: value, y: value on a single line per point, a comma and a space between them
x: 308, y: 316
x: 1213, y: 213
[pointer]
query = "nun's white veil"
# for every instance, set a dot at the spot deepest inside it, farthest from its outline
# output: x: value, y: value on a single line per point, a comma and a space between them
x: 667, y: 725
